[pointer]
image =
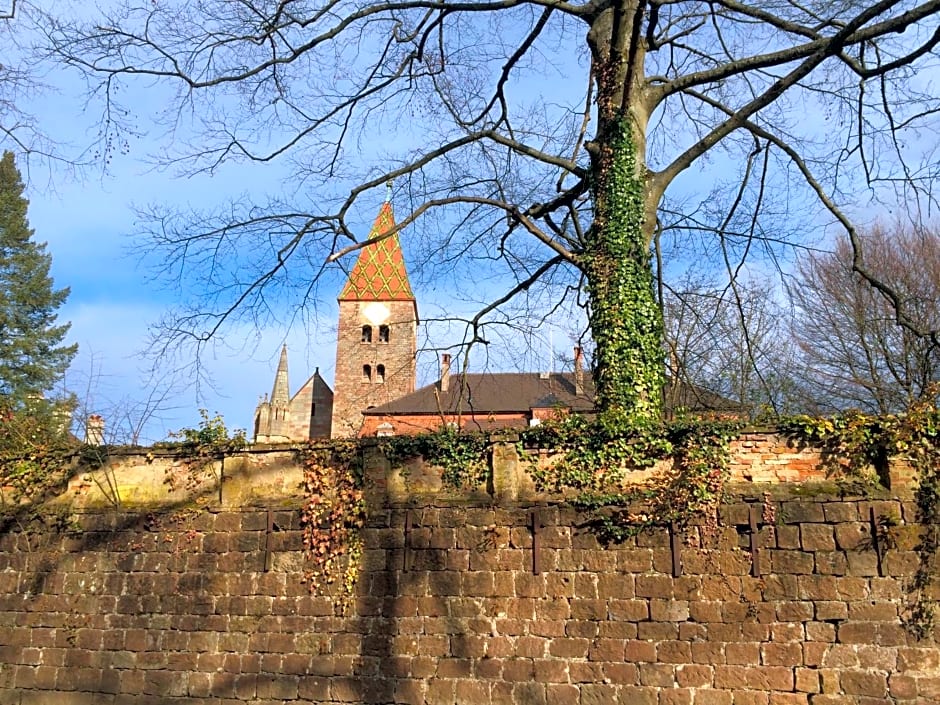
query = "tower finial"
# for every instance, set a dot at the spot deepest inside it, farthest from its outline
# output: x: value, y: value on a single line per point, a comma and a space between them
x: 388, y: 191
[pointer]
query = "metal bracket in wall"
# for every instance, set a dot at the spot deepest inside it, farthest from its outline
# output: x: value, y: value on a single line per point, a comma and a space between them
x: 535, y: 523
x: 406, y: 549
x: 269, y: 529
x: 754, y: 536
x: 222, y: 477
x: 875, y: 538
x: 676, y: 548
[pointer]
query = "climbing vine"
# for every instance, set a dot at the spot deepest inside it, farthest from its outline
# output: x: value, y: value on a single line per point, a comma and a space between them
x: 598, y: 455
x: 916, y: 436
x: 200, y: 449
x: 36, y: 449
x: 333, y: 515
x: 859, y: 447
x: 594, y: 458
x: 625, y: 319
x: 854, y: 447
x: 461, y: 456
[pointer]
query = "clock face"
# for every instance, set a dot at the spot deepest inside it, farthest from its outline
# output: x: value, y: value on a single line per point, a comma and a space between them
x: 375, y: 312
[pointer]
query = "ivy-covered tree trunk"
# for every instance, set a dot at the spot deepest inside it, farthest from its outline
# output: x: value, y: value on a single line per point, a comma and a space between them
x: 625, y: 318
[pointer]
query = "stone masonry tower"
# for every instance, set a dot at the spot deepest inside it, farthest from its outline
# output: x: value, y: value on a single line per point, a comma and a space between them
x: 377, y: 338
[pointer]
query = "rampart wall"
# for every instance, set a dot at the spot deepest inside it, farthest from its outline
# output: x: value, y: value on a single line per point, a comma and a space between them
x: 502, y: 596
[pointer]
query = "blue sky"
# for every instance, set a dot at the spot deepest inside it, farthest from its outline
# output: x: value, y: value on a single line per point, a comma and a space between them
x: 89, y: 227
x: 88, y: 219
x: 90, y: 223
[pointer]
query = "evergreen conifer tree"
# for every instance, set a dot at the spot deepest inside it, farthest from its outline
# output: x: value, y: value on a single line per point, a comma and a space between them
x: 32, y: 357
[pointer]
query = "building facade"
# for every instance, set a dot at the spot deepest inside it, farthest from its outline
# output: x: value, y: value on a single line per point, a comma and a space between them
x: 304, y: 416
x: 376, y: 341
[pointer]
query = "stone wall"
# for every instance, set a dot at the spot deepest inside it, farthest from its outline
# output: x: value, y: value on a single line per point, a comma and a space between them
x: 461, y: 600
x: 269, y: 474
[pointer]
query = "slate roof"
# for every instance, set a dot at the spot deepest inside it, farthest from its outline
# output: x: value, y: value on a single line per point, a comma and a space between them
x: 519, y: 392
x: 379, y: 274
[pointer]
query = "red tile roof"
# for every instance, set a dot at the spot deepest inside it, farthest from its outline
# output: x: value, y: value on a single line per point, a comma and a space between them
x: 379, y: 274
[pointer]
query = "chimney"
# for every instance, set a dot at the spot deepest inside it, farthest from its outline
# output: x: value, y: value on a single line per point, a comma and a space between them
x: 578, y: 371
x: 94, y: 430
x: 445, y: 371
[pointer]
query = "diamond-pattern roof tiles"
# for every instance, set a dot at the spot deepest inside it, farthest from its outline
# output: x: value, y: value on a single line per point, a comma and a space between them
x: 379, y: 274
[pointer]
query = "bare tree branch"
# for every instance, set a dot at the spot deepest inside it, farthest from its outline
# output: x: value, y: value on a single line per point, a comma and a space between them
x: 515, y: 129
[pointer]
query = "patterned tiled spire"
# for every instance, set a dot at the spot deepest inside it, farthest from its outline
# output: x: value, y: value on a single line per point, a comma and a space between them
x: 379, y: 273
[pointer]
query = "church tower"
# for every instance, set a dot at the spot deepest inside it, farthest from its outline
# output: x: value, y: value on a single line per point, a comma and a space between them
x: 377, y: 337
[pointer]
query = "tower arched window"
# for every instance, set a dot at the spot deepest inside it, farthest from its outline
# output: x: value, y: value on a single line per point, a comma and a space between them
x: 367, y: 373
x: 367, y: 334
x: 380, y: 373
x: 383, y: 334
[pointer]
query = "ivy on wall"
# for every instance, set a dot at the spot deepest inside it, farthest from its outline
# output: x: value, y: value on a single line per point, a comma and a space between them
x: 462, y: 457
x: 859, y: 447
x: 333, y: 515
x: 854, y: 447
x: 36, y: 450
x: 596, y: 458
x: 200, y: 449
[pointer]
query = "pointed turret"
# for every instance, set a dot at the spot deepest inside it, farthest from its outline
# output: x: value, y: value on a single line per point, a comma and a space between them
x: 280, y: 394
x: 272, y: 417
x: 377, y: 338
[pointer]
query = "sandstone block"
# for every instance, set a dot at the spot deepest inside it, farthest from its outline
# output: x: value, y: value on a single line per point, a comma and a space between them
x: 550, y: 671
x: 676, y: 696
x: 831, y: 563
x: 669, y: 610
x: 800, y: 512
x: 792, y: 562
x: 790, y: 654
x: 673, y: 652
x: 631, y: 695
x: 657, y: 674
x: 556, y: 694
x: 902, y: 687
x: 751, y: 697
x: 851, y: 536
x: 695, y: 676
x: 570, y: 648
x: 640, y: 651
x: 864, y: 683
x: 817, y: 537
x: 807, y: 680
x: 583, y: 672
